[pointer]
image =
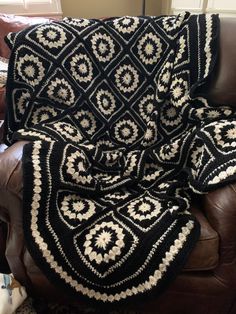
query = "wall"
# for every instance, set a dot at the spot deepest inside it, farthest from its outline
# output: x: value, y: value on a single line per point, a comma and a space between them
x: 103, y: 8
x: 224, y: 8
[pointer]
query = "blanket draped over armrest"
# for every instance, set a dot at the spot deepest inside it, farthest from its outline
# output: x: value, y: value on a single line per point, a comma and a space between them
x: 120, y: 138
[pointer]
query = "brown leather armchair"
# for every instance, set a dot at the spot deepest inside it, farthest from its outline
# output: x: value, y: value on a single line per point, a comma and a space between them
x: 207, y: 284
x: 2, y: 110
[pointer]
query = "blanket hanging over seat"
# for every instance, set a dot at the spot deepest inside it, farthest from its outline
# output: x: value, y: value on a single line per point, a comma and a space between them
x: 119, y: 139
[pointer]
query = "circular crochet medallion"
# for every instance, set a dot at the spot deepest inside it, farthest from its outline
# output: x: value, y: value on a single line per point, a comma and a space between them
x: 146, y: 107
x: 76, y: 208
x: 77, y: 167
x: 103, y: 47
x: 150, y: 135
x: 170, y: 115
x: 78, y: 23
x: 144, y: 209
x: 81, y: 68
x: 86, y: 121
x: 104, y: 242
x: 106, y: 102
x: 68, y: 131
x: 31, y: 69
x: 51, y: 36
x: 126, y: 131
x: 42, y: 114
x: 126, y: 24
x: 149, y: 48
x: 61, y: 91
x: 127, y: 78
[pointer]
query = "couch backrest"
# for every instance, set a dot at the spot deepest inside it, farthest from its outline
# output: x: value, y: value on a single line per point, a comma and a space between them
x: 14, y: 23
x: 222, y: 87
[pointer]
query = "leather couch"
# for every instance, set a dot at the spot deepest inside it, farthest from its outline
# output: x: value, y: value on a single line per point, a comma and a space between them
x: 2, y: 109
x: 207, y: 284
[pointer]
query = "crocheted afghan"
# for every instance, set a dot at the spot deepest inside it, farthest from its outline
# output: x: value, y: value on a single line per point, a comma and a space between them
x: 119, y: 140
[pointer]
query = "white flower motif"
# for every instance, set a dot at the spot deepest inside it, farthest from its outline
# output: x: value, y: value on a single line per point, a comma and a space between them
x: 126, y: 131
x: 144, y: 208
x: 81, y: 23
x: 171, y: 23
x: 127, y: 78
x: 31, y: 69
x: 169, y: 151
x: 42, y: 114
x: 150, y: 135
x: 231, y: 133
x: 77, y: 167
x: 171, y: 112
x: 212, y: 114
x: 163, y: 81
x: 166, y: 77
x: 103, y: 47
x: 170, y: 115
x: 146, y: 107
x: 225, y: 133
x: 178, y: 90
x: 81, y: 68
x: 149, y: 48
x: 126, y: 24
x: 61, y: 91
x: 75, y: 207
x: 22, y: 101
x: 103, y: 239
x: 106, y: 102
x: 52, y: 36
x: 104, y: 242
x: 68, y: 131
x: 196, y: 156
x: 87, y: 121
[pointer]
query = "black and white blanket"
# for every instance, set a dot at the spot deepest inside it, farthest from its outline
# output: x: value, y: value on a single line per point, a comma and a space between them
x: 120, y: 137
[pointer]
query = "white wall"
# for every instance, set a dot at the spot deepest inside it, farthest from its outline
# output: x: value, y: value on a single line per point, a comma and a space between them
x: 224, y: 8
x: 107, y: 8
x: 222, y: 4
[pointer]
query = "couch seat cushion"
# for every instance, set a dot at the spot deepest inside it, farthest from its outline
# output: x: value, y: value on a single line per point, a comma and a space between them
x: 205, y: 254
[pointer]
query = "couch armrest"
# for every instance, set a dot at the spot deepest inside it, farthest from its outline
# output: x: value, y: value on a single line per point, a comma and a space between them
x: 11, y: 170
x: 220, y: 210
x: 11, y: 185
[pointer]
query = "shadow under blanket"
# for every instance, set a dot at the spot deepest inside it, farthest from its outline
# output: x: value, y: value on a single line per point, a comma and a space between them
x: 120, y: 139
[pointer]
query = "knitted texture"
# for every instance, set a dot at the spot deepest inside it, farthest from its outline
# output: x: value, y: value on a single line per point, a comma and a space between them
x: 119, y: 139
